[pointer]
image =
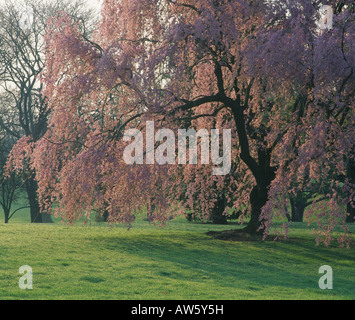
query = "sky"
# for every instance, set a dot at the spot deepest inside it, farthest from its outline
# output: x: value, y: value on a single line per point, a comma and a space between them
x: 95, y: 4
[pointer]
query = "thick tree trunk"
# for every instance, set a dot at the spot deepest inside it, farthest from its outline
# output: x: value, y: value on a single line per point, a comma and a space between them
x: 7, y: 215
x: 258, y: 198
x: 31, y: 188
x: 46, y: 218
x: 262, y: 170
x: 36, y: 215
x: 259, y: 194
x: 105, y: 216
x: 297, y: 207
x: 217, y: 216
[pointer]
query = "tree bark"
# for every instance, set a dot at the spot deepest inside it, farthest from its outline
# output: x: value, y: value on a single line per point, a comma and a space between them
x: 258, y: 198
x: 7, y: 215
x: 105, y: 216
x: 298, y: 206
x: 36, y: 215
x: 217, y: 216
x: 262, y: 170
x: 259, y: 194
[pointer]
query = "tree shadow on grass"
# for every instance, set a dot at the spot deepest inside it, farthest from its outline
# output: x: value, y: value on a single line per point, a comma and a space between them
x: 238, y: 235
x: 308, y: 248
x: 224, y: 264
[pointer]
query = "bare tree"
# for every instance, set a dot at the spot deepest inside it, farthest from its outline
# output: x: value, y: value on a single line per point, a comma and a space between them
x: 10, y: 186
x: 23, y: 106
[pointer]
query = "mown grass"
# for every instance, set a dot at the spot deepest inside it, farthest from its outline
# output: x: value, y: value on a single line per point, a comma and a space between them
x: 178, y: 261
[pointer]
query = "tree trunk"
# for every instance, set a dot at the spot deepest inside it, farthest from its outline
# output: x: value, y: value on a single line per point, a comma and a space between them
x: 297, y: 207
x: 36, y: 215
x: 217, y: 216
x: 258, y: 198
x: 46, y: 218
x: 350, y: 210
x: 7, y: 215
x: 150, y: 210
x: 31, y: 188
x: 260, y: 193
x: 262, y: 170
x: 105, y: 216
x: 350, y: 217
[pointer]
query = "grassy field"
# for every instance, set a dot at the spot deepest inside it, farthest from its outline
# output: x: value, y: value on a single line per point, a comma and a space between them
x: 178, y: 261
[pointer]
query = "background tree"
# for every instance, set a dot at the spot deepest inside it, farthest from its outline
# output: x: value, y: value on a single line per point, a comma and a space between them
x: 10, y: 185
x: 21, y: 62
x: 319, y: 65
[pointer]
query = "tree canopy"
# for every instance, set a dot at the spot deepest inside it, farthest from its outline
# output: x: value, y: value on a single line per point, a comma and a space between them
x: 263, y: 69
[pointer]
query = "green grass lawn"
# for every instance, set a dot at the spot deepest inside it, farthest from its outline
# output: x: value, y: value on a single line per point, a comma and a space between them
x: 178, y: 261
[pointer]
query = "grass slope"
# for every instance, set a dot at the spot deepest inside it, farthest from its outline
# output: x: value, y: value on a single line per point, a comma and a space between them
x: 178, y: 261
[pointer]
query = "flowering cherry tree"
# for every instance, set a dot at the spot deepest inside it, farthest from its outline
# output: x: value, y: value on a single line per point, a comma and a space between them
x: 316, y: 154
x: 262, y: 69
